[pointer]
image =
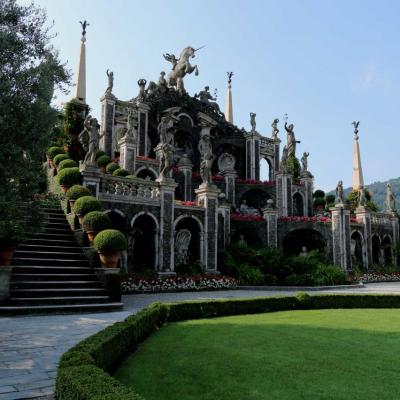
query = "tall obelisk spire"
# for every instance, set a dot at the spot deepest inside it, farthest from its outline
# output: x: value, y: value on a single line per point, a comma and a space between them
x: 80, y: 93
x: 228, y: 106
x: 358, y: 180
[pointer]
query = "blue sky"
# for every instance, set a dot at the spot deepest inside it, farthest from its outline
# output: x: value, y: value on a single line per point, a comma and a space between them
x: 324, y: 63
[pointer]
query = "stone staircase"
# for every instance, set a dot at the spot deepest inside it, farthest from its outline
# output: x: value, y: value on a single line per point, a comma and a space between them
x: 51, y: 274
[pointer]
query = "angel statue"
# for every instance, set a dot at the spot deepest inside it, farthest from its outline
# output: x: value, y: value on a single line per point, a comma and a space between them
x: 90, y: 140
x: 356, y: 124
x: 182, y: 242
x: 84, y: 24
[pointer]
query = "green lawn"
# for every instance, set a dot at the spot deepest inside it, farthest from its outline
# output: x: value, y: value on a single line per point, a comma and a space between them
x: 323, y: 354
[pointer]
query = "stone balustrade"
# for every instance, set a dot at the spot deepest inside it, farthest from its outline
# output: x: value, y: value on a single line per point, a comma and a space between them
x: 381, y: 219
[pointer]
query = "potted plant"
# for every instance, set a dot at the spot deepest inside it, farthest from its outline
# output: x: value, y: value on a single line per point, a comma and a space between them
x: 111, y: 167
x: 95, y: 222
x: 11, y: 233
x: 68, y: 177
x: 85, y: 205
x: 52, y: 152
x: 75, y: 192
x: 60, y: 157
x: 121, y: 172
x: 109, y: 244
x: 103, y: 161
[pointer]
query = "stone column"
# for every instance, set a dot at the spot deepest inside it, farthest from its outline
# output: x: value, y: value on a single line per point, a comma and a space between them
x: 271, y: 216
x: 208, y: 198
x: 395, y: 226
x: 107, y: 123
x: 185, y: 166
x: 308, y: 183
x: 91, y: 178
x: 230, y: 186
x: 363, y: 216
x: 224, y: 209
x: 144, y: 145
x: 284, y: 193
x: 166, y: 244
x: 341, y: 237
x: 277, y: 143
x: 253, y: 155
x: 127, y: 154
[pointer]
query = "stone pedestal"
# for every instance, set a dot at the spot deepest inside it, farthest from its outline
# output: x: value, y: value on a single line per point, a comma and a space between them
x: 5, y: 274
x: 308, y: 183
x: 283, y: 193
x: 107, y: 123
x: 271, y: 216
x: 253, y: 155
x: 127, y: 154
x: 208, y: 198
x: 111, y: 280
x: 341, y: 243
x: 363, y: 216
x: 144, y: 144
x: 230, y: 179
x: 166, y: 244
x: 185, y: 167
x: 91, y: 178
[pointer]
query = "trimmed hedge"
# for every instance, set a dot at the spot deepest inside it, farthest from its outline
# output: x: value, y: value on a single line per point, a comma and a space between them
x: 82, y: 372
x: 86, y: 204
x: 103, y: 160
x: 77, y: 191
x: 121, y: 172
x: 69, y: 176
x: 110, y: 240
x: 67, y: 164
x: 100, y: 153
x: 53, y: 151
x: 60, y: 157
x: 96, y: 221
x: 111, y: 167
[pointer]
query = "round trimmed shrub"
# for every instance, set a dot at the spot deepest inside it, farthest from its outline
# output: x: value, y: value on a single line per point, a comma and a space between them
x: 111, y: 167
x: 86, y: 204
x: 96, y: 221
x: 121, y: 172
x: 67, y: 164
x: 319, y: 201
x: 319, y: 193
x: 99, y: 154
x: 69, y: 176
x: 103, y: 160
x: 77, y: 191
x: 53, y: 151
x: 109, y: 241
x: 60, y: 157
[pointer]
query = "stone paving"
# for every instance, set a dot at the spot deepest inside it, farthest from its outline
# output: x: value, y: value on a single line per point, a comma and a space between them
x: 31, y: 346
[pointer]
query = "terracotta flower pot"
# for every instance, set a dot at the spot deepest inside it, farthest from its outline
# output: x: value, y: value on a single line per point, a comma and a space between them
x: 64, y: 188
x: 110, y: 260
x: 6, y: 255
x: 91, y: 235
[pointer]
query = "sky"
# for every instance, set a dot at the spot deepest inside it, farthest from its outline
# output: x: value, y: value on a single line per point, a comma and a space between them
x: 324, y: 63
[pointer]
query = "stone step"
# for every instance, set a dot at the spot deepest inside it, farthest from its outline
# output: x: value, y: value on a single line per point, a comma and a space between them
x: 53, y: 277
x: 49, y: 248
x: 49, y: 262
x: 57, y: 300
x: 58, y: 231
x: 67, y: 308
x: 67, y: 255
x: 58, y: 225
x: 52, y: 241
x: 53, y: 284
x: 52, y: 210
x: 53, y: 235
x: 52, y: 292
x: 46, y: 269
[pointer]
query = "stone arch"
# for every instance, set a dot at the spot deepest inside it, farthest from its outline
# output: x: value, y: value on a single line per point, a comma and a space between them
x: 266, y: 169
x: 376, y: 248
x: 184, y: 115
x: 386, y: 249
x: 118, y: 219
x: 298, y: 204
x: 146, y: 171
x: 249, y: 235
x: 310, y: 238
x: 255, y: 198
x: 357, y: 248
x: 143, y: 242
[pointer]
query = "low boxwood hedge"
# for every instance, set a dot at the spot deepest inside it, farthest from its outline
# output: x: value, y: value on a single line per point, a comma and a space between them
x: 83, y: 370
x: 60, y: 157
x: 86, y: 204
x: 69, y: 176
x: 67, y: 164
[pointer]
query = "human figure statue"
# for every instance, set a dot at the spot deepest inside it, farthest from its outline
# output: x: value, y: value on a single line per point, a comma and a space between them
x: 182, y: 243
x: 84, y: 24
x: 356, y: 124
x: 362, y: 200
x: 142, y: 91
x: 339, y: 193
x: 390, y: 199
x: 253, y: 121
x: 241, y: 242
x: 275, y: 129
x: 166, y: 132
x: 304, y: 252
x: 205, y: 96
x: 291, y: 140
x: 131, y: 124
x: 90, y: 140
x: 110, y: 86
x: 207, y: 157
x: 304, y: 161
x: 162, y: 82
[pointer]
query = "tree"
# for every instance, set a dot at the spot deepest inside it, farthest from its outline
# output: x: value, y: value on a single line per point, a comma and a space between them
x: 30, y: 70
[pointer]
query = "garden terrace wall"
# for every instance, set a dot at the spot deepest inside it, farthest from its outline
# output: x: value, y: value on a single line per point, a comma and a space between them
x: 83, y: 372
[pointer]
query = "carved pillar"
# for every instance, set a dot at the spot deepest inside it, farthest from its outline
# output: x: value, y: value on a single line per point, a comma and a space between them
x: 308, y: 183
x: 271, y: 216
x: 284, y: 193
x: 185, y: 166
x: 341, y: 237
x: 91, y: 179
x: 127, y: 154
x: 230, y: 188
x: 166, y: 244
x: 363, y: 216
x: 107, y: 123
x: 144, y: 145
x: 253, y: 155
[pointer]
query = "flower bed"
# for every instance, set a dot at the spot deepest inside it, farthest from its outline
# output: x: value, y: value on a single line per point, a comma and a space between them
x: 254, y: 182
x: 246, y: 217
x: 324, y: 220
x: 378, y: 277
x: 134, y: 284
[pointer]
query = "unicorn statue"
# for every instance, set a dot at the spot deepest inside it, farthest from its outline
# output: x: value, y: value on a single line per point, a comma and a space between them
x: 181, y: 67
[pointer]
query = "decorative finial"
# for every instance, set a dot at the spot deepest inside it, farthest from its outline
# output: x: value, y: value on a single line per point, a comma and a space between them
x: 84, y: 24
x: 230, y: 74
x: 355, y: 124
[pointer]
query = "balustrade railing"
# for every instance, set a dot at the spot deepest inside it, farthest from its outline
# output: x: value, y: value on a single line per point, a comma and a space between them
x: 380, y: 219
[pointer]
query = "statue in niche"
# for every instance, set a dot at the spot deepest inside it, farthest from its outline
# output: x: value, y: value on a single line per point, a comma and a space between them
x: 205, y: 96
x: 181, y: 67
x: 90, y: 140
x: 167, y: 147
x: 339, y: 193
x: 291, y: 140
x: 362, y: 200
x: 182, y: 243
x: 142, y: 92
x: 207, y: 157
x: 275, y: 129
x: 110, y: 76
x: 226, y: 162
x: 304, y: 161
x: 390, y: 199
x: 253, y: 121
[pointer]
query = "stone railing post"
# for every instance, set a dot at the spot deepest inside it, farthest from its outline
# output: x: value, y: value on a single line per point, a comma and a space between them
x: 127, y: 154
x: 284, y: 193
x: 341, y: 237
x: 107, y: 123
x: 363, y: 216
x: 91, y: 178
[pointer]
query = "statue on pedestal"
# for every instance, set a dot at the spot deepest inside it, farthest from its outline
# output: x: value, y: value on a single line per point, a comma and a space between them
x: 162, y: 83
x: 339, y: 193
x: 142, y: 92
x: 304, y: 161
x: 84, y: 24
x: 90, y: 140
x: 205, y: 96
x: 390, y: 199
x: 362, y: 200
x: 356, y: 124
x: 207, y: 157
x: 291, y: 140
x: 275, y: 129
x: 131, y: 124
x: 253, y: 121
x: 110, y: 86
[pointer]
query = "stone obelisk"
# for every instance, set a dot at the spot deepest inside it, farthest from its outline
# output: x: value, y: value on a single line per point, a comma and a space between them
x: 80, y: 92
x: 228, y: 106
x: 358, y: 180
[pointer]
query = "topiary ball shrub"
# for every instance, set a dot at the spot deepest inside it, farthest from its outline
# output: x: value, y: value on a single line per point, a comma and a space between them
x: 96, y: 221
x: 67, y: 164
x: 86, y: 204
x: 319, y: 201
x: 60, y: 157
x: 121, y: 172
x: 103, y: 160
x: 69, y: 177
x: 110, y: 241
x: 111, y: 167
x: 53, y: 151
x: 77, y: 191
x: 319, y: 193
x: 99, y: 154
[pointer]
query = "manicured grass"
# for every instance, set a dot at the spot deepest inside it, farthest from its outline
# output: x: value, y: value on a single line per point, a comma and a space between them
x: 322, y: 354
